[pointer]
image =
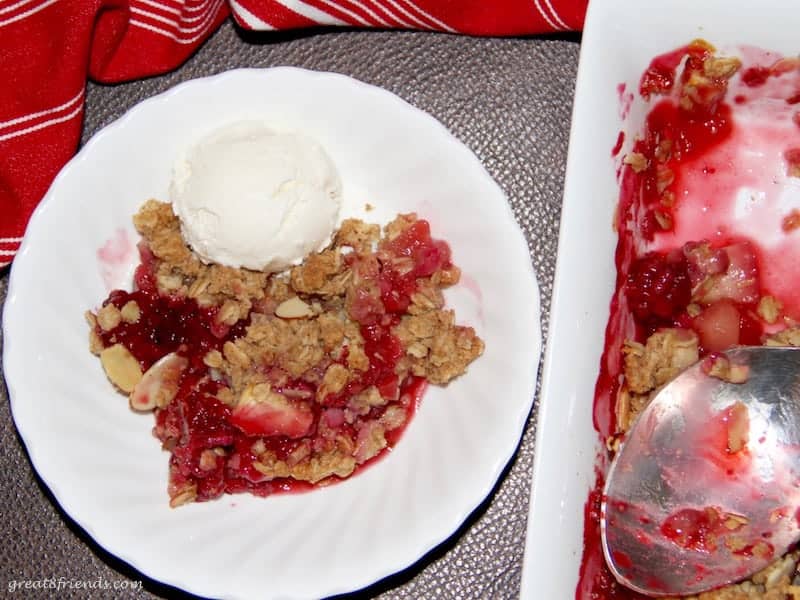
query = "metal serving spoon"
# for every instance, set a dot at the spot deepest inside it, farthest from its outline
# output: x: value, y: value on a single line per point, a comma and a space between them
x: 706, y: 488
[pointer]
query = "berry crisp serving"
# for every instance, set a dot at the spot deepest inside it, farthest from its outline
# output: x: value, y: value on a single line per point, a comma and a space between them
x: 267, y: 383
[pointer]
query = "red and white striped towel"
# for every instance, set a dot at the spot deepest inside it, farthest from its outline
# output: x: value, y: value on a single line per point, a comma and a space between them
x: 48, y: 48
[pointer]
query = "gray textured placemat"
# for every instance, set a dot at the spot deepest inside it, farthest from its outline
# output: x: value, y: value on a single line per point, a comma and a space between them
x: 510, y: 101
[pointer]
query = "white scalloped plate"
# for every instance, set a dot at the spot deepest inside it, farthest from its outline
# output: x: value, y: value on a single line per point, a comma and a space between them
x: 100, y: 460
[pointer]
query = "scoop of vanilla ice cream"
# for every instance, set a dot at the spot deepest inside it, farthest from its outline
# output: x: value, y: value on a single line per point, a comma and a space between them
x: 249, y: 196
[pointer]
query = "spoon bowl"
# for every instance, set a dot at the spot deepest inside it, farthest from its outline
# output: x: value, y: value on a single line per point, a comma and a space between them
x: 705, y: 490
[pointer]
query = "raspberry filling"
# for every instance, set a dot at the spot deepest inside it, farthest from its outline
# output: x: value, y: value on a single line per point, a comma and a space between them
x: 168, y: 324
x: 215, y: 447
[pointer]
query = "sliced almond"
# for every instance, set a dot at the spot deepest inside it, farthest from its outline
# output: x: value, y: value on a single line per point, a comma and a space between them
x: 159, y: 384
x: 121, y: 367
x: 293, y: 308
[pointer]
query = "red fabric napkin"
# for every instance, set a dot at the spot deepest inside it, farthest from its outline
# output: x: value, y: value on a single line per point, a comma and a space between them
x: 48, y: 48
